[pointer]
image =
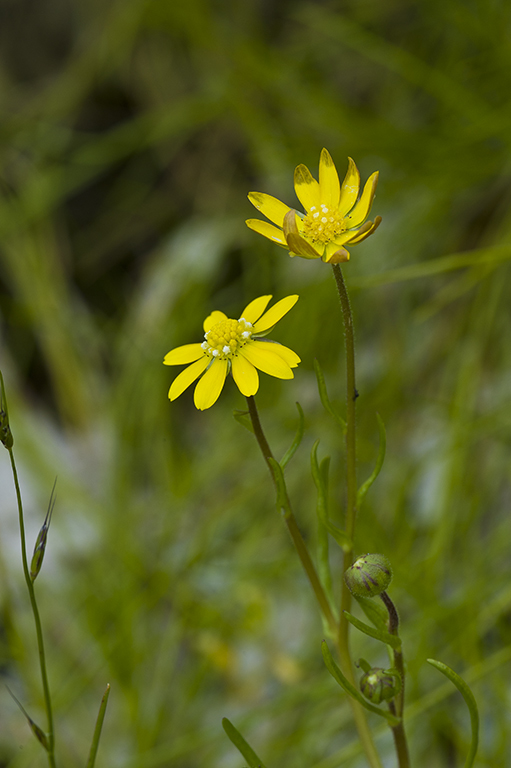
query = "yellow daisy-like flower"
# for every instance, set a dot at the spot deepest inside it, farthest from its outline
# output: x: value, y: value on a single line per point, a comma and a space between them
x: 233, y: 345
x: 334, y: 218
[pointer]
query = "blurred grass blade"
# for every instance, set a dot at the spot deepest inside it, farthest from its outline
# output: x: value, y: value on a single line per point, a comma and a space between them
x: 97, y: 730
x: 350, y: 689
x: 296, y: 442
x: 243, y: 418
x: 241, y: 745
x: 319, y: 477
x: 379, y: 463
x: 40, y: 735
x: 470, y: 702
x: 384, y: 637
x: 327, y: 405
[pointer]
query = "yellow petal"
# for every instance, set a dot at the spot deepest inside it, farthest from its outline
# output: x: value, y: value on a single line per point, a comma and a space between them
x: 329, y: 186
x: 349, y: 189
x: 185, y: 354
x: 290, y: 357
x: 267, y: 230
x: 335, y: 255
x: 245, y: 376
x: 361, y: 235
x: 269, y: 206
x: 187, y: 377
x: 270, y: 318
x: 267, y: 361
x: 306, y: 187
x: 295, y: 242
x: 212, y: 319
x: 362, y: 208
x: 255, y: 309
x: 210, y: 385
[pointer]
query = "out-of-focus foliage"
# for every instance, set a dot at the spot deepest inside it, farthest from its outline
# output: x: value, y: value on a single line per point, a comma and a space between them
x: 130, y: 134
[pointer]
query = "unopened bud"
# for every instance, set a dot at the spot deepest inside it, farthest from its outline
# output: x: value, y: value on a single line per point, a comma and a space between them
x: 369, y: 576
x: 5, y: 431
x: 379, y: 685
x: 42, y: 537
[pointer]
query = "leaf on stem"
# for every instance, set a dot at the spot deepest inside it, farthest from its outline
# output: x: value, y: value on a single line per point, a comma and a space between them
x: 470, y: 702
x: 40, y: 735
x: 97, y: 730
x: 362, y: 491
x: 351, y: 690
x: 280, y: 483
x: 374, y: 611
x: 382, y: 635
x: 243, y: 418
x: 319, y: 476
x: 327, y: 405
x: 241, y: 745
x: 296, y: 442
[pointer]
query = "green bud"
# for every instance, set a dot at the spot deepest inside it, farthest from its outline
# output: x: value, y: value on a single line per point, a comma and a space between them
x: 5, y: 431
x: 42, y: 538
x: 379, y: 685
x: 369, y: 576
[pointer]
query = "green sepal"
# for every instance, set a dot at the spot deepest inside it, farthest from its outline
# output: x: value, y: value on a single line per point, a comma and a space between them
x: 40, y: 735
x: 361, y: 494
x: 244, y: 419
x: 323, y: 395
x: 470, y: 702
x: 374, y: 610
x: 241, y: 745
x: 97, y: 729
x: 319, y: 476
x: 383, y: 636
x: 351, y: 690
x: 298, y: 439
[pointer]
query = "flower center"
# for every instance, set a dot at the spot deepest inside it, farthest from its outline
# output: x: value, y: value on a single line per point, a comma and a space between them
x: 323, y: 224
x: 225, y: 339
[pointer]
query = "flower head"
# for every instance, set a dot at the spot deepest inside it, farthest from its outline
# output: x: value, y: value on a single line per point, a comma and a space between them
x: 333, y: 216
x: 234, y: 345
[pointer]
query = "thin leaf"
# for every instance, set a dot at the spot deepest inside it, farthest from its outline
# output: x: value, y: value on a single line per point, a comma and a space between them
x: 296, y: 442
x: 327, y: 405
x: 379, y: 463
x: 375, y: 611
x: 241, y: 745
x: 97, y: 730
x: 351, y: 690
x: 40, y: 735
x: 243, y: 418
x: 470, y: 702
x: 319, y: 477
x: 383, y: 636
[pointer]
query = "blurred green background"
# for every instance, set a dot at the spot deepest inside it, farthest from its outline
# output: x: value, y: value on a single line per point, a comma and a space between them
x: 131, y: 133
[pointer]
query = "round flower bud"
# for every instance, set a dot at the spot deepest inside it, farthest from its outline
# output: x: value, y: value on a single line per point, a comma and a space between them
x: 379, y: 685
x: 369, y: 576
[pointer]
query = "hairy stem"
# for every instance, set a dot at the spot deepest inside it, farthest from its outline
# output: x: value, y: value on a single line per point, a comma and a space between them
x: 398, y: 731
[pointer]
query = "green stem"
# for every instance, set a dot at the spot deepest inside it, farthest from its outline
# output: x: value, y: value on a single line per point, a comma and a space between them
x: 292, y: 525
x: 351, y: 513
x: 37, y: 620
x: 398, y: 731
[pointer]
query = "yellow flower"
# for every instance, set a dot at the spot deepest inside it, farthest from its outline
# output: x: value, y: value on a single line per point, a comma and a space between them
x: 233, y: 345
x: 334, y: 218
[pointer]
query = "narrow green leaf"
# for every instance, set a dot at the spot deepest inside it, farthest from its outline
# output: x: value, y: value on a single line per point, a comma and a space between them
x: 470, y: 702
x: 379, y: 463
x: 97, y: 730
x: 40, y: 735
x: 327, y: 405
x: 375, y: 611
x: 351, y: 690
x: 383, y: 636
x: 241, y: 745
x: 296, y: 442
x: 319, y: 476
x: 278, y: 475
x: 243, y: 418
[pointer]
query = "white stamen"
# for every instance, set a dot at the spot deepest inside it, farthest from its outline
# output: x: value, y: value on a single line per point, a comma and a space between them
x: 215, y: 353
x: 204, y: 345
x: 246, y: 335
x: 226, y: 350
